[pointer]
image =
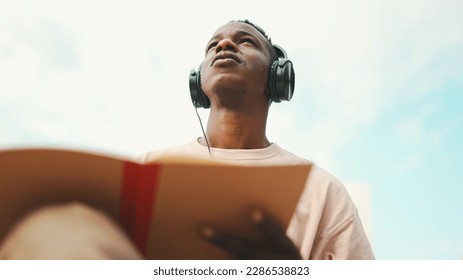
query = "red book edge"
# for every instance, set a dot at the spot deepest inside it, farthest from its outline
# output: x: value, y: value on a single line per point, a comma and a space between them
x: 139, y: 185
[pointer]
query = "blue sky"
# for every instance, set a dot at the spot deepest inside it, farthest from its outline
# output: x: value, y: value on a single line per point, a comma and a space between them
x: 378, y: 94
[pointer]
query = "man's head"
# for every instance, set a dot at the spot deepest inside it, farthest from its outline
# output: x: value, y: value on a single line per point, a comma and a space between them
x: 280, y: 82
x: 234, y: 72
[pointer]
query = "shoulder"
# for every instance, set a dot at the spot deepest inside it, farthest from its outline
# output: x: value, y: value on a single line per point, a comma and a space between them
x: 283, y: 156
x: 319, y: 179
x: 321, y: 184
x: 325, y: 189
x: 324, y: 179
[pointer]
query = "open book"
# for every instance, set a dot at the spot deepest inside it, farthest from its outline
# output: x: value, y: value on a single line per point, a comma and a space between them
x: 161, y: 205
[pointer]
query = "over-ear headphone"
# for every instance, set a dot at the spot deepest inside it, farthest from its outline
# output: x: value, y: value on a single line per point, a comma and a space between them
x: 280, y: 81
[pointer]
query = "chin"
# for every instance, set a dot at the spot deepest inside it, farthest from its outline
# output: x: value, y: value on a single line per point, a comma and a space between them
x: 225, y: 84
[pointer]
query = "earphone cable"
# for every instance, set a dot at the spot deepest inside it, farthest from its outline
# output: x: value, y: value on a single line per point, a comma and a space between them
x: 202, y: 129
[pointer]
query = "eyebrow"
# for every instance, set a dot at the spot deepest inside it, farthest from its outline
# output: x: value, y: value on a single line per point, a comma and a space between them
x: 240, y: 32
x: 245, y: 33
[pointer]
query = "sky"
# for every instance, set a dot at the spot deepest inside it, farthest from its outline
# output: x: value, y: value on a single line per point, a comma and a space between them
x: 379, y: 86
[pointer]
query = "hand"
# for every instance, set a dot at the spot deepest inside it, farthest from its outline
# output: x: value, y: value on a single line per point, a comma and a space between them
x: 272, y: 242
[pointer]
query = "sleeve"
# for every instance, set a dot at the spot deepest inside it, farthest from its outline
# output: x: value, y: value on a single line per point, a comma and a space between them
x: 340, y: 234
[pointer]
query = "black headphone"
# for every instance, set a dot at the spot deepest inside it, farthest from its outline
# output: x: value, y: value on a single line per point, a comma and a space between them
x: 280, y: 81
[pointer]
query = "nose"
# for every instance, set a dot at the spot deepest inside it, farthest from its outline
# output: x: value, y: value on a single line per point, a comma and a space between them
x: 227, y: 45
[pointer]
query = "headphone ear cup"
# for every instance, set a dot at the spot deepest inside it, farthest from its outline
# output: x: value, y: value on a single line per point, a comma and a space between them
x: 271, y: 82
x: 281, y: 80
x: 198, y: 97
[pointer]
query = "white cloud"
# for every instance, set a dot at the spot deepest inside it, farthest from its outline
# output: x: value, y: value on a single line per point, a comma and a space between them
x: 358, y: 60
x: 408, y: 164
x: 416, y: 133
x: 412, y: 128
x: 129, y: 91
x: 112, y: 75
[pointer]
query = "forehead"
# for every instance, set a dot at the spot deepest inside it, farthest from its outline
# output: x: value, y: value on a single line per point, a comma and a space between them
x: 233, y: 28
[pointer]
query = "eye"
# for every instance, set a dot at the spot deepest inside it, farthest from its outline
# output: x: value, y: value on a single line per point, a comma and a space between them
x: 211, y: 45
x: 248, y: 40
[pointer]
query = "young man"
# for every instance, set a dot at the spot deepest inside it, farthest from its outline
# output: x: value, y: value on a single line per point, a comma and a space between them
x: 234, y: 76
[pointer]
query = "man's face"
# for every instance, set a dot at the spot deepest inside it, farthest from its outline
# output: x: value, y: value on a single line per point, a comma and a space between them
x: 236, y: 64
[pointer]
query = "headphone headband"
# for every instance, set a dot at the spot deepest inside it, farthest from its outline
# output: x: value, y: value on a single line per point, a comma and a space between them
x: 280, y: 51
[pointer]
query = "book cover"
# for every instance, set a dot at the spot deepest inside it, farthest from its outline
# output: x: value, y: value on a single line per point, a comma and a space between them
x: 161, y: 205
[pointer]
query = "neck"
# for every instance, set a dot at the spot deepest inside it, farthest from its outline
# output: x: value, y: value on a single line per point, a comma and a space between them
x: 236, y: 130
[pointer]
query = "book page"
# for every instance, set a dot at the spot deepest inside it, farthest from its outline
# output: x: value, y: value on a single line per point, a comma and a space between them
x: 163, y: 211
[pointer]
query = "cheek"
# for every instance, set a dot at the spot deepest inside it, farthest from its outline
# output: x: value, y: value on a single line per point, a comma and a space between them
x: 260, y: 65
x: 260, y: 72
x: 204, y: 76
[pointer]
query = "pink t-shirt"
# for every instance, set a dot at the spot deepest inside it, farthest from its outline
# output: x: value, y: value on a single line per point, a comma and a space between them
x: 325, y: 224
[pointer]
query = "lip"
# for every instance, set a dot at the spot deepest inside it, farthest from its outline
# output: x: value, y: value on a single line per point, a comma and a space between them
x: 225, y: 56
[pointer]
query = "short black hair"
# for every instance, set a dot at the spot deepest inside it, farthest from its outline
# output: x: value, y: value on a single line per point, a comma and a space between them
x: 271, y: 49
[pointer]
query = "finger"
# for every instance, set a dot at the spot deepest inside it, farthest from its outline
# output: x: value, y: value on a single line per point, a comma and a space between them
x: 237, y: 246
x: 274, y: 234
x: 268, y: 227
